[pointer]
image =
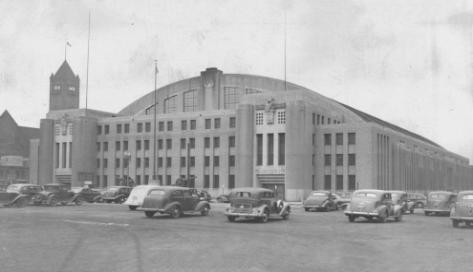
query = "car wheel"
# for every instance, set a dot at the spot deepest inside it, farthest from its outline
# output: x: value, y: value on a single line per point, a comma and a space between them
x: 52, y: 201
x: 231, y: 218
x: 411, y: 211
x: 351, y: 218
x: 398, y: 218
x: 306, y: 209
x: 176, y: 212
x: 149, y: 214
x: 285, y: 216
x: 265, y: 217
x: 455, y: 223
x: 78, y: 201
x: 382, y: 218
x: 205, y: 211
x: 132, y: 208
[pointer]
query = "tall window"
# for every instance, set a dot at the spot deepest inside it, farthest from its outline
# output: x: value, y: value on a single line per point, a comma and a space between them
x: 146, y: 162
x: 231, y: 181
x: 183, y: 124
x: 105, y: 146
x: 193, y: 124
x: 232, y: 123
x: 147, y: 127
x: 138, y: 162
x: 339, y: 160
x: 259, y: 149
x: 168, y: 162
x: 183, y: 143
x: 328, y: 139
x: 328, y: 182
x: 170, y: 104
x: 207, y: 161
x: 125, y: 145
x: 117, y: 146
x: 106, y: 129
x: 146, y: 144
x: 327, y: 159
x: 216, y: 181
x: 127, y: 128
x: 190, y: 101
x: 139, y: 127
x: 138, y: 144
x: 169, y: 125
x: 208, y: 123
x: 339, y: 183
x: 161, y: 126
x: 160, y: 144
x: 168, y: 143
x: 216, y: 161
x: 351, y: 182
x: 231, y: 160
x: 339, y: 139
x: 231, y: 97
x: 270, y: 149
x: 351, y: 138
x: 216, y: 142
x: 119, y: 128
x: 217, y: 123
x: 231, y: 141
x: 351, y: 159
x: 207, y: 142
x: 282, y: 149
x: 206, y: 181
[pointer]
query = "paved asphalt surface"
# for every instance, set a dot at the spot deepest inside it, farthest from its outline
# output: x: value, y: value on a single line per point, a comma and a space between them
x: 109, y: 237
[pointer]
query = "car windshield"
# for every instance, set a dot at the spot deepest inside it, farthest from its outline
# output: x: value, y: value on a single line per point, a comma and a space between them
x: 439, y: 196
x: 319, y: 194
x: 242, y: 194
x: 365, y: 195
x: 467, y: 198
x: 157, y: 193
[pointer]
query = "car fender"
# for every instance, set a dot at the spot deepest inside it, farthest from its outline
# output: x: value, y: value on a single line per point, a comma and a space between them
x: 74, y: 197
x: 382, y: 209
x: 96, y: 198
x: 201, y: 205
x: 169, y: 206
x: 286, y: 208
x: 397, y: 210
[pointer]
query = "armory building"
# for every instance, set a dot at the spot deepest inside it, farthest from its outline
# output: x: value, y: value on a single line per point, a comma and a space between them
x: 222, y: 131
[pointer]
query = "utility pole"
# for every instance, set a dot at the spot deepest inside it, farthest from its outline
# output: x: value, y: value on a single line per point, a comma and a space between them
x: 154, y: 113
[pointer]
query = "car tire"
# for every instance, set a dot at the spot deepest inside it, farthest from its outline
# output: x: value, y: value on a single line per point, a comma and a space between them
x: 455, y: 223
x: 132, y: 208
x: 382, y: 218
x: 351, y: 218
x: 205, y: 211
x: 231, y: 218
x: 176, y: 212
x: 398, y: 218
x: 150, y: 214
x: 52, y: 201
x: 265, y: 217
x: 78, y: 201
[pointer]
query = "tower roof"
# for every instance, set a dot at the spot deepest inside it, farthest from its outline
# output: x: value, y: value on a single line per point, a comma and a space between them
x: 64, y: 71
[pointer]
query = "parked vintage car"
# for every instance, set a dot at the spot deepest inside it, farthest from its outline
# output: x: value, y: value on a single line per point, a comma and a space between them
x: 117, y: 194
x: 256, y: 203
x: 342, y: 199
x: 320, y: 201
x: 18, y: 194
x: 53, y: 194
x: 416, y: 201
x: 373, y: 204
x: 88, y: 194
x: 400, y: 198
x: 439, y: 202
x: 462, y: 211
x: 175, y: 201
x: 137, y: 195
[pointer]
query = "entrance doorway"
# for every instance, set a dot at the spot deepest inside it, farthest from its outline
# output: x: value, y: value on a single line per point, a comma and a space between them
x: 278, y: 189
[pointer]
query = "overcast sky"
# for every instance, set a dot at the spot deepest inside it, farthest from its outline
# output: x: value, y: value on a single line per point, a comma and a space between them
x: 407, y: 62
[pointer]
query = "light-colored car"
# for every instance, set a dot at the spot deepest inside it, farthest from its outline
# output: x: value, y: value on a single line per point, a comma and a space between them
x: 400, y: 198
x: 462, y: 211
x: 416, y: 201
x: 256, y: 203
x: 439, y: 202
x: 19, y: 194
x: 373, y: 204
x: 137, y: 195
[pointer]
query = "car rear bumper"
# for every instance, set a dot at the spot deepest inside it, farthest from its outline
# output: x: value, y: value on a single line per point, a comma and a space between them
x: 361, y: 213
x: 461, y: 218
x: 152, y: 210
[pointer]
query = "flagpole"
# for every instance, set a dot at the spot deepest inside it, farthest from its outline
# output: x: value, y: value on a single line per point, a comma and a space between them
x: 87, y: 76
x: 154, y: 118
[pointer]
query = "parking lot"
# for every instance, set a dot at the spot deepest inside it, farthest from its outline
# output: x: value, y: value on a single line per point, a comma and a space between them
x: 109, y: 237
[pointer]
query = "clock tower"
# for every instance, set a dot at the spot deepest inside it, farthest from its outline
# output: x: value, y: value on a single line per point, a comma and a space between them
x: 64, y: 89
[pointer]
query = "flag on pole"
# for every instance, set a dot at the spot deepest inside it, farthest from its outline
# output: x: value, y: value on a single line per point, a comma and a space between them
x: 68, y: 44
x: 156, y: 71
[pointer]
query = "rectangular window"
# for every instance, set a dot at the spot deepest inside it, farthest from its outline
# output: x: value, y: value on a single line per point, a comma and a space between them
x: 138, y: 179
x: 313, y: 139
x: 192, y: 161
x: 139, y: 127
x: 168, y: 179
x: 64, y: 154
x: 160, y: 144
x: 138, y: 144
x: 105, y: 181
x: 327, y: 159
x: 327, y: 182
x: 231, y: 181
x: 216, y: 142
x: 105, y: 146
x: 216, y: 181
x: 339, y: 183
x: 208, y: 123
x: 146, y: 162
x: 191, y: 143
x: 127, y: 128
x: 107, y: 129
x: 232, y: 123
x: 125, y: 145
x: 351, y: 182
x: 339, y: 139
x: 183, y: 143
x: 160, y: 162
x: 270, y: 150
x: 206, y: 181
x: 282, y: 149
x: 119, y: 128
x: 216, y: 161
x: 183, y: 161
x: 138, y: 162
x: 259, y: 149
x: 99, y: 130
x: 147, y: 127
x: 183, y: 124
x: 161, y: 126
x: 259, y: 118
x: 217, y: 123
x: 146, y: 179
x: 117, y: 146
x: 57, y: 155
x: 318, y: 119
x: 327, y: 139
x: 105, y: 163
x: 323, y: 119
x: 351, y: 138
x: 117, y: 163
x: 168, y: 143
x: 206, y: 161
x: 231, y: 141
x: 169, y: 125
x: 168, y: 162
x: 170, y: 104
x: 190, y: 101
x: 231, y: 160
x: 207, y: 142
x: 351, y: 159
x: 281, y: 117
x: 339, y: 160
x: 231, y: 97
x: 193, y: 124
x: 146, y: 144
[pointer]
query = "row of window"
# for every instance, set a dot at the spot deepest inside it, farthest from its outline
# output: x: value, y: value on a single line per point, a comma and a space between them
x: 13, y: 174
x: 270, y: 149
x: 318, y: 119
x: 184, y: 143
x: 69, y: 88
x: 146, y: 127
x: 339, y: 159
x: 281, y: 118
x: 339, y: 138
x: 160, y: 160
x: 339, y: 182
